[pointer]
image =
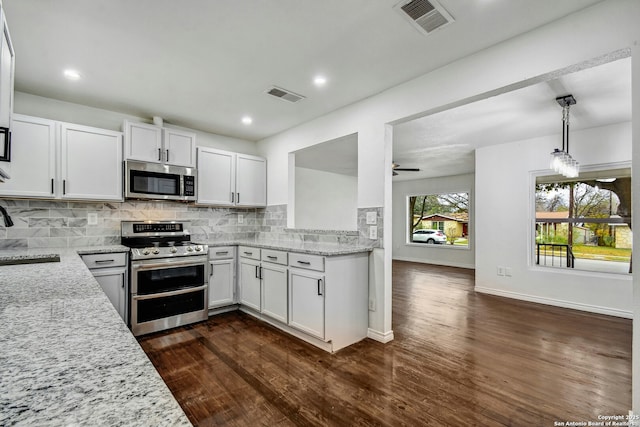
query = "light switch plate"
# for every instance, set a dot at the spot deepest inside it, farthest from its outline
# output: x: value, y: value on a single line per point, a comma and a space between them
x: 373, y: 232
x: 240, y: 219
x: 92, y: 218
x: 372, y: 218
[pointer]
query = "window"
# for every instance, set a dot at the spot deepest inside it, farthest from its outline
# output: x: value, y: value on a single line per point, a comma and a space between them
x: 584, y: 223
x: 439, y: 219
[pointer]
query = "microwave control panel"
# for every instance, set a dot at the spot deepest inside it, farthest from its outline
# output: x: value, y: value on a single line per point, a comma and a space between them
x: 189, y: 185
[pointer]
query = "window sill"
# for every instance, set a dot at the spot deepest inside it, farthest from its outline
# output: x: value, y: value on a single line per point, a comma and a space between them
x: 438, y: 246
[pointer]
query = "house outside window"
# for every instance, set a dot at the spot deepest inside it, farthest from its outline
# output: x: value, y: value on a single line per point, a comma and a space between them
x: 447, y: 214
x: 584, y: 223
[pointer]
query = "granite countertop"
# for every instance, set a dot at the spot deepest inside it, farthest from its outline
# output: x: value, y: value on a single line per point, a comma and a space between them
x: 315, y: 248
x: 67, y: 358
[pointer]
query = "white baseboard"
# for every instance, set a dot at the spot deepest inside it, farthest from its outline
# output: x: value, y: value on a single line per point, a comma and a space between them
x: 435, y: 262
x: 383, y: 337
x: 556, y: 302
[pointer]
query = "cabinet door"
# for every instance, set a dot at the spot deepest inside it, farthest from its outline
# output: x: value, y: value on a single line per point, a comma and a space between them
x: 179, y: 148
x: 7, y: 60
x: 33, y: 159
x: 274, y: 291
x: 113, y: 283
x: 306, y: 302
x: 222, y: 283
x: 143, y: 142
x: 249, y: 283
x: 216, y: 177
x: 91, y: 163
x: 251, y: 181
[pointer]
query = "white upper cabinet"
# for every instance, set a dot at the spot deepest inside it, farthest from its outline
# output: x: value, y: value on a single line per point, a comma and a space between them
x: 179, y: 147
x: 216, y: 177
x: 150, y: 143
x: 33, y: 158
x: 91, y: 163
x: 56, y: 160
x: 7, y: 60
x: 142, y: 142
x: 231, y: 179
x: 251, y: 181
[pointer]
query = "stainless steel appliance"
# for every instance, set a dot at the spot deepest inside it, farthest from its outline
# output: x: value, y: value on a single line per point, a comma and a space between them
x: 169, y: 275
x: 156, y: 181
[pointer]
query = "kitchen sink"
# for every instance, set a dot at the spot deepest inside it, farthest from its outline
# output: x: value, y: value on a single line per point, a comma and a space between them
x: 29, y: 259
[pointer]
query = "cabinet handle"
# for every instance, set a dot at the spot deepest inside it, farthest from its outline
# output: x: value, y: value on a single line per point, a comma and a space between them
x: 304, y: 262
x: 272, y: 257
x: 233, y: 197
x: 52, y: 186
x: 64, y: 186
x: 159, y: 154
x: 260, y: 275
x: 319, y: 291
x: 167, y: 159
x: 238, y: 198
x: 257, y: 277
x: 248, y: 253
x: 101, y: 261
x: 222, y: 252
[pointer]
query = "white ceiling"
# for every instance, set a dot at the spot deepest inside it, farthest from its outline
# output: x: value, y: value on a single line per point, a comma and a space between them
x: 443, y: 144
x: 204, y: 64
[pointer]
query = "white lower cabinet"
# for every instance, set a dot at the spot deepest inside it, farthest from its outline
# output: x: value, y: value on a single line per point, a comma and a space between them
x: 110, y: 271
x: 249, y: 282
x: 274, y: 291
x: 322, y: 300
x: 306, y: 301
x: 222, y: 279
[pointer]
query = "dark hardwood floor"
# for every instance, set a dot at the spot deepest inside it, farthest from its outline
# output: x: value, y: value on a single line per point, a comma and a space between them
x: 458, y: 358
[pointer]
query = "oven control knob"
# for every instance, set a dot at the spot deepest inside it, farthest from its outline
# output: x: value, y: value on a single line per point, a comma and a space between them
x: 156, y: 251
x: 173, y: 250
x: 189, y: 249
x: 145, y: 252
x: 198, y: 248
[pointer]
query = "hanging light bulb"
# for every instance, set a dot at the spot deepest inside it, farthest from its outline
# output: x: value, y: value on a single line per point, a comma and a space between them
x: 561, y: 161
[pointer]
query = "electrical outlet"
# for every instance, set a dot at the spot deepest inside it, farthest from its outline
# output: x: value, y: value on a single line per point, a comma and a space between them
x: 372, y: 218
x: 500, y: 271
x: 372, y: 305
x: 240, y: 219
x: 92, y: 218
x: 507, y: 271
x: 373, y: 232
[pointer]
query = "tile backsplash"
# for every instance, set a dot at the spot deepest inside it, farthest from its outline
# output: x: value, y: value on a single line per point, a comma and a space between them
x: 42, y: 223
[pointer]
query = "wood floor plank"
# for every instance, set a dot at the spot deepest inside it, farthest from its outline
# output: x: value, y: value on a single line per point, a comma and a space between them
x: 458, y: 358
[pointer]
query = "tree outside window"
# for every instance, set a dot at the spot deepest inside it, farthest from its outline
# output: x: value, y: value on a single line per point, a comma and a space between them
x: 587, y: 219
x: 444, y: 212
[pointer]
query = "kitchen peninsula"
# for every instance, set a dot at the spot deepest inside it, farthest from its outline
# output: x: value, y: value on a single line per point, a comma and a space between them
x: 67, y: 357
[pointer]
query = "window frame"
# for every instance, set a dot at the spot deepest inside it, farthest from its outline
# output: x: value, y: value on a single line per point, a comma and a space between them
x: 407, y: 227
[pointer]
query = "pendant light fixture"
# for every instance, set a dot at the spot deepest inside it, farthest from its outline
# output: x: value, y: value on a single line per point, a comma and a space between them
x: 561, y: 160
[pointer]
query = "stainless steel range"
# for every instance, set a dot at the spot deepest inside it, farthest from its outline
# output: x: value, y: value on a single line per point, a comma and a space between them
x: 169, y: 275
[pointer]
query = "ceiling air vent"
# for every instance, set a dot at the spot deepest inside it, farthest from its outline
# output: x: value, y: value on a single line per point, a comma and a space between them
x: 426, y: 15
x: 285, y: 95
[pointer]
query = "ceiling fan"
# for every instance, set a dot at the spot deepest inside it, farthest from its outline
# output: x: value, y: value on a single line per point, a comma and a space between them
x: 396, y: 167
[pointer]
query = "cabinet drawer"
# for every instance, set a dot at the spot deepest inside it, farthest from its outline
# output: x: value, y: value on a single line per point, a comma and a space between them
x: 277, y: 257
x: 105, y: 260
x: 221, y: 252
x: 249, y: 252
x: 311, y: 262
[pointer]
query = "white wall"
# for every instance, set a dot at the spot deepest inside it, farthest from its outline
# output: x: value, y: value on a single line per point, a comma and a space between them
x: 431, y: 254
x: 54, y: 109
x: 325, y: 200
x: 504, y: 215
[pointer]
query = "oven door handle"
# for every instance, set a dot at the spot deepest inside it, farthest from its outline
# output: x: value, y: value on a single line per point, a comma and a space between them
x: 171, y: 264
x: 169, y: 294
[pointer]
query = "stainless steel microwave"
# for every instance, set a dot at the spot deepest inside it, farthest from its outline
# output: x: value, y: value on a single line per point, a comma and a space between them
x: 156, y: 181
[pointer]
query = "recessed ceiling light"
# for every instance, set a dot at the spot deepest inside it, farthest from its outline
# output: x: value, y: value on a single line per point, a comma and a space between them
x: 72, y: 74
x: 319, y: 80
x: 247, y: 120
